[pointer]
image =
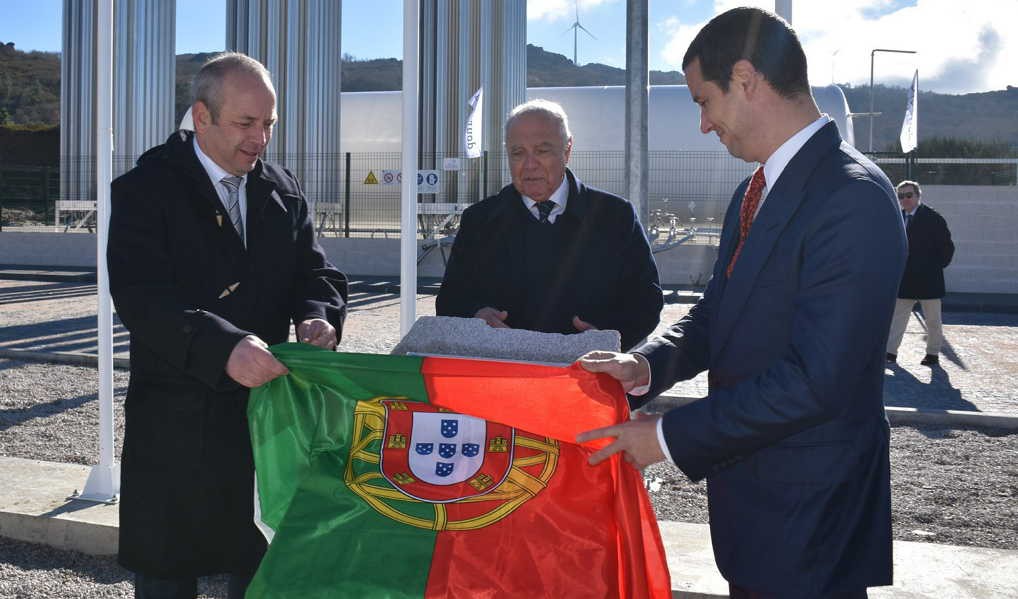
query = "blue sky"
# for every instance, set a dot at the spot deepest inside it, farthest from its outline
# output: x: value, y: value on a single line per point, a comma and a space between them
x: 963, y: 46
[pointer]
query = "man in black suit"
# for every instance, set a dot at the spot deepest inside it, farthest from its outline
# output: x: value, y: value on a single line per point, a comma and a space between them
x: 792, y: 436
x: 211, y: 258
x: 548, y: 253
x: 930, y: 250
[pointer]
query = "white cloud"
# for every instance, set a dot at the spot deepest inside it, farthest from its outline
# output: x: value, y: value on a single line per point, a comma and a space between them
x: 963, y: 46
x: 679, y: 35
x: 554, y: 10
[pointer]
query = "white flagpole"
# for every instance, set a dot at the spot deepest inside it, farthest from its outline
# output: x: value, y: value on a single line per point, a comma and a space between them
x: 472, y: 140
x: 103, y: 484
x: 909, y: 137
x: 408, y: 214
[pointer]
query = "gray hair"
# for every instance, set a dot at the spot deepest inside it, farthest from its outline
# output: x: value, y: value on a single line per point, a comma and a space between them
x: 915, y: 186
x: 207, y: 86
x: 546, y: 108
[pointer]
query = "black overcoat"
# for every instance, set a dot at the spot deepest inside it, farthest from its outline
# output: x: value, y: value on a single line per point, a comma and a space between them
x: 603, y: 271
x: 930, y: 250
x: 188, y: 290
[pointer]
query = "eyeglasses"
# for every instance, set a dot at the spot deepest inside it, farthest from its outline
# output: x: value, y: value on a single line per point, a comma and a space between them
x: 905, y: 196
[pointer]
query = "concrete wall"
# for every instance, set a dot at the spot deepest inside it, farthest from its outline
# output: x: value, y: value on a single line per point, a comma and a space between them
x: 76, y: 250
x: 983, y: 222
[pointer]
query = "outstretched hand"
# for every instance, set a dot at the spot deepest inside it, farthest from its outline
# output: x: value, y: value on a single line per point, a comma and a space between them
x: 636, y: 439
x: 317, y: 332
x: 628, y: 369
x: 494, y: 318
x: 251, y: 364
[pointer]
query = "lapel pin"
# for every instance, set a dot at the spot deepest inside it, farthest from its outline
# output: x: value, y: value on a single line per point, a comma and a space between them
x: 219, y: 219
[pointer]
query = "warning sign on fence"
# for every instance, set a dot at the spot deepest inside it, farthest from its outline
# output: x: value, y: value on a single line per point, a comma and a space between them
x: 370, y: 179
x: 427, y: 181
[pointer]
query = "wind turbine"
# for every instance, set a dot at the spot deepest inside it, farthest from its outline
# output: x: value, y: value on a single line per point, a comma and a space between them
x: 576, y: 27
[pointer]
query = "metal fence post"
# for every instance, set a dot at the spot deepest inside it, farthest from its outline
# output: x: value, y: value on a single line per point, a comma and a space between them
x: 484, y: 175
x: 346, y: 200
x: 45, y: 193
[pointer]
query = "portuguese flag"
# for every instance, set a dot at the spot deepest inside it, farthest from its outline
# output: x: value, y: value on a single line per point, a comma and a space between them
x: 399, y: 476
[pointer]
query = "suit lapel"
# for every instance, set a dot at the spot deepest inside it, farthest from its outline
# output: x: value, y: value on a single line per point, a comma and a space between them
x: 205, y: 201
x: 262, y: 196
x: 782, y: 201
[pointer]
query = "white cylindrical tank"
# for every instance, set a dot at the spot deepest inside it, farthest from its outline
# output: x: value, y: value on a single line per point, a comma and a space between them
x: 691, y: 175
x: 371, y: 122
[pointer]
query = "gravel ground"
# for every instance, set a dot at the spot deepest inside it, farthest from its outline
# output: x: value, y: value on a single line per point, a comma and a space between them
x: 949, y: 486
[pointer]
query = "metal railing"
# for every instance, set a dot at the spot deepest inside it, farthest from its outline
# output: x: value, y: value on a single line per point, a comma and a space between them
x: 358, y: 194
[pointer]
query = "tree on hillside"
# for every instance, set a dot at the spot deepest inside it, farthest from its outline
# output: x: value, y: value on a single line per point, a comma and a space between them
x: 948, y: 173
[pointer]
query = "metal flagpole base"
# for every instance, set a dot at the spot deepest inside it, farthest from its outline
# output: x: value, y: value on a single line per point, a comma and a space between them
x: 102, y: 486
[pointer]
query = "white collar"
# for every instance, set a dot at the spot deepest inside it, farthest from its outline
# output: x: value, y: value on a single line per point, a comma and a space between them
x: 777, y: 161
x: 560, y: 196
x: 215, y: 172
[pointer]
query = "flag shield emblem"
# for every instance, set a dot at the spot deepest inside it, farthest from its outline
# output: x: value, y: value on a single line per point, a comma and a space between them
x: 444, y: 452
x: 431, y: 468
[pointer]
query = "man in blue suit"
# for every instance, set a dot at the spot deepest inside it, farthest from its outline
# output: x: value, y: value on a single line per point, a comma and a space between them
x: 792, y: 435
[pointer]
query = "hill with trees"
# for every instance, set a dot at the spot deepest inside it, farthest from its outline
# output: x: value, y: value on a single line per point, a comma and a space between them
x: 30, y: 96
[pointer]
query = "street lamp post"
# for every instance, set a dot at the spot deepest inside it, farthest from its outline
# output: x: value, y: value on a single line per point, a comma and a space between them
x: 872, y: 114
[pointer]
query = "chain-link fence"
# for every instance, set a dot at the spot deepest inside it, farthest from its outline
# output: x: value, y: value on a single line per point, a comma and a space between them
x: 358, y: 194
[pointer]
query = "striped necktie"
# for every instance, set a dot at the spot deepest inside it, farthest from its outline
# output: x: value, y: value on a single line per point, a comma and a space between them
x: 232, y: 184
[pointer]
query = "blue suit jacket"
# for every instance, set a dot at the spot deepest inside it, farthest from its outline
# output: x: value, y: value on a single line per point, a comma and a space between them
x: 792, y: 436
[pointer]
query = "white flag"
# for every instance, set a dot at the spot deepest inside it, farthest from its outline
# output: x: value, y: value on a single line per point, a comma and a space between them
x: 472, y: 133
x: 910, y: 126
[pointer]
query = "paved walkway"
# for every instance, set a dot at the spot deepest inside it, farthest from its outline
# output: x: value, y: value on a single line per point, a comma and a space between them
x: 34, y: 507
x: 977, y: 370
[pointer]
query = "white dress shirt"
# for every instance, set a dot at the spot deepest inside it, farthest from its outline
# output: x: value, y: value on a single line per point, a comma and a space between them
x: 773, y: 167
x: 216, y: 174
x: 560, y: 197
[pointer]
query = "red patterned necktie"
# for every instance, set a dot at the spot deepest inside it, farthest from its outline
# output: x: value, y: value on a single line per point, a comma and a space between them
x: 747, y: 211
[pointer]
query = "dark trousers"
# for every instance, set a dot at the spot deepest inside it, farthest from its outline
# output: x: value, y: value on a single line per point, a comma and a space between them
x: 737, y: 592
x: 147, y: 587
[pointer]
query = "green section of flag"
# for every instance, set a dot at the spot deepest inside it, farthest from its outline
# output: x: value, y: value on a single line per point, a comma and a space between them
x: 302, y: 427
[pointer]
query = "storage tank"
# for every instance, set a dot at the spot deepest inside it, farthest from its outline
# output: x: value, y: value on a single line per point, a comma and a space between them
x: 690, y: 174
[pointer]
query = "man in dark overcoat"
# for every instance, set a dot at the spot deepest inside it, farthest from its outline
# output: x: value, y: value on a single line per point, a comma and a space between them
x: 930, y: 250
x: 211, y: 258
x: 548, y: 253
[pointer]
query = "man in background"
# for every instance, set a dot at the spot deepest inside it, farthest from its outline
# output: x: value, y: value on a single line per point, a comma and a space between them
x: 930, y: 250
x: 548, y: 253
x: 792, y: 436
x: 211, y: 258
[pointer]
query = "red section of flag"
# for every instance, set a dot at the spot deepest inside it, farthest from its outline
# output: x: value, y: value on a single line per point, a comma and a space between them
x: 591, y: 532
x: 546, y: 400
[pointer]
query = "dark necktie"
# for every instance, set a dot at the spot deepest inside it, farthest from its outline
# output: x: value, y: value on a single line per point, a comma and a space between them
x: 544, y: 209
x: 907, y: 217
x: 750, y: 202
x: 232, y: 185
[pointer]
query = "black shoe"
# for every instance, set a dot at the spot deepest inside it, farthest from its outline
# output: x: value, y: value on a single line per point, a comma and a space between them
x: 892, y: 358
x: 930, y: 360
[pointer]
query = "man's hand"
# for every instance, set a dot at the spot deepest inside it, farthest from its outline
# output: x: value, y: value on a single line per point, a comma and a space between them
x: 629, y: 370
x: 637, y: 439
x: 317, y: 332
x: 582, y: 325
x: 251, y: 364
x: 494, y: 318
